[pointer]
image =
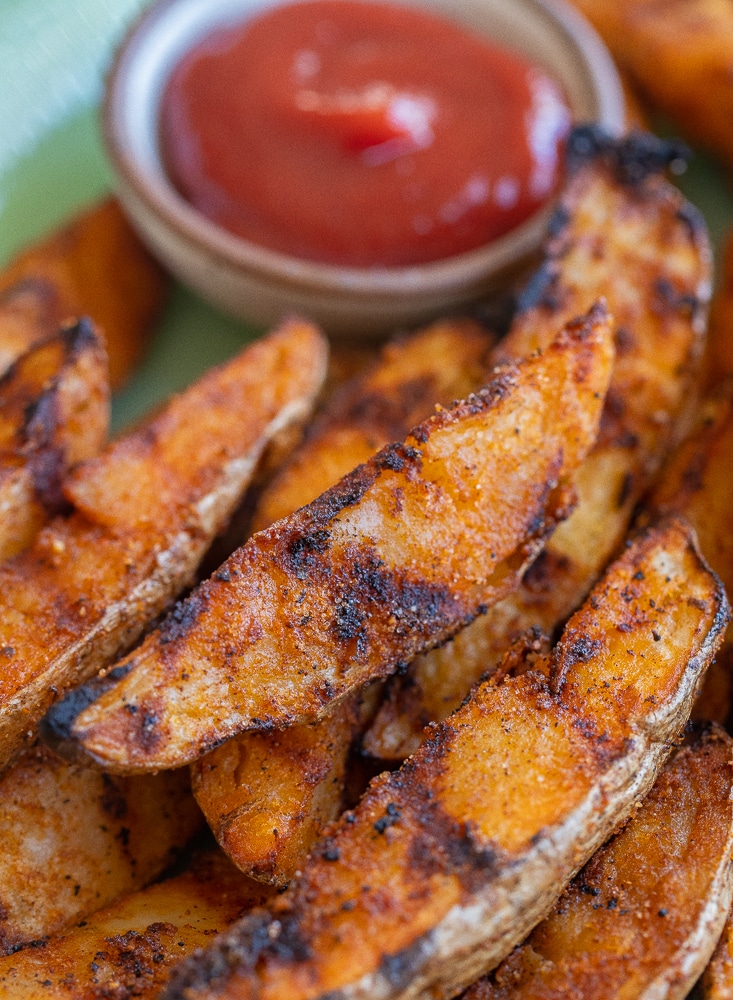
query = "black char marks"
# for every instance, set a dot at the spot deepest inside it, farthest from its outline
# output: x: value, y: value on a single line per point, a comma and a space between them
x: 254, y: 938
x: 632, y: 159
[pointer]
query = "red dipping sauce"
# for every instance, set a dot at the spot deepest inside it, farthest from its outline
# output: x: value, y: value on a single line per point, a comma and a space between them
x: 361, y: 134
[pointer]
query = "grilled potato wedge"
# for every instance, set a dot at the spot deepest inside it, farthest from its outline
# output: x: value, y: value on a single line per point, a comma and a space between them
x: 448, y: 862
x: 54, y: 412
x: 146, y: 510
x: 623, y: 231
x: 643, y: 916
x: 393, y: 559
x: 267, y: 796
x: 445, y: 361
x: 93, y: 266
x: 680, y: 53
x: 127, y: 950
x: 74, y: 840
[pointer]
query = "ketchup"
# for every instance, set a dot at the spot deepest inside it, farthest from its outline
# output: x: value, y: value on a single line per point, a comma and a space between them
x: 361, y: 133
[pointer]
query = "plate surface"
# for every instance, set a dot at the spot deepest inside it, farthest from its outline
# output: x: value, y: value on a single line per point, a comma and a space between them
x: 54, y: 54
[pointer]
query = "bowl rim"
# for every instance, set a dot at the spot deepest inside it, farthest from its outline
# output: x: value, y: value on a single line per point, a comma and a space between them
x: 161, y: 199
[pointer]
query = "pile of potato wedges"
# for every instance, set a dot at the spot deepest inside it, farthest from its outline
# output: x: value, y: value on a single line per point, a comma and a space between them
x: 450, y: 715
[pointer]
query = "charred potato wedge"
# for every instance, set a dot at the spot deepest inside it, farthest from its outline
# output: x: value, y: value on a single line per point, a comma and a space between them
x: 445, y: 361
x: 393, y: 559
x: 128, y: 949
x: 54, y: 412
x: 267, y: 796
x: 146, y: 510
x: 680, y: 54
x: 74, y: 840
x: 642, y: 918
x: 94, y: 266
x: 448, y: 862
x: 618, y: 216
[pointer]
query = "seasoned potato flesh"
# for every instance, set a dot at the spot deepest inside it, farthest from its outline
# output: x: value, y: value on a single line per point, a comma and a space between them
x: 94, y: 266
x: 618, y: 216
x: 128, y: 949
x: 267, y: 796
x: 393, y: 559
x: 54, y: 412
x: 448, y: 862
x: 74, y: 840
x: 642, y: 917
x: 147, y: 508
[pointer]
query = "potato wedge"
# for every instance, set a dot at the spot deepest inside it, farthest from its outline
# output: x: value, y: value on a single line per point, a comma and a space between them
x: 128, y: 949
x: 445, y: 361
x: 448, y: 862
x: 680, y: 54
x: 146, y: 510
x: 267, y: 796
x: 54, y: 412
x: 74, y: 840
x: 93, y: 266
x: 388, y: 562
x: 643, y: 916
x: 623, y: 231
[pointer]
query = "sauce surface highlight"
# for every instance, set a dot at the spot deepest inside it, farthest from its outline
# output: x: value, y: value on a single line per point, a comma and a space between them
x: 361, y: 133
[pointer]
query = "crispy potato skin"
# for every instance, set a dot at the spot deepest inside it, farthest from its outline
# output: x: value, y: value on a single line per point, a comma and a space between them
x: 617, y: 217
x: 54, y: 413
x: 642, y: 918
x: 145, y: 514
x: 680, y: 53
x: 74, y: 839
x: 448, y: 862
x: 386, y: 563
x: 128, y: 949
x: 267, y: 796
x: 93, y: 266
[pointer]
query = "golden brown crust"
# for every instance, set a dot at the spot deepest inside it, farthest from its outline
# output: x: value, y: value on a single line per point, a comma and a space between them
x: 74, y: 840
x: 127, y: 950
x: 95, y: 266
x: 267, y: 796
x: 146, y: 511
x: 642, y: 918
x: 54, y: 412
x: 386, y: 563
x: 447, y: 863
x: 680, y: 53
x: 618, y: 217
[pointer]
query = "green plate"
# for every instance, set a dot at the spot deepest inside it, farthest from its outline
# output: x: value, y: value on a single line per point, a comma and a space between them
x: 54, y: 54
